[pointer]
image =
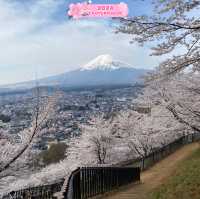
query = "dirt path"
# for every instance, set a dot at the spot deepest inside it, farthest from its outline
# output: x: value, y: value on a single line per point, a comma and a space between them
x: 154, y: 176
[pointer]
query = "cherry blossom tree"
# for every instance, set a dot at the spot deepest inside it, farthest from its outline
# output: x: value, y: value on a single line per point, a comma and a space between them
x: 174, y: 32
x: 174, y: 25
x: 179, y: 96
x: 98, y: 135
x: 14, y: 156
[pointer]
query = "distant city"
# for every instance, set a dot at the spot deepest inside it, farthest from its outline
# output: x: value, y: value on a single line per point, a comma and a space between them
x: 75, y: 107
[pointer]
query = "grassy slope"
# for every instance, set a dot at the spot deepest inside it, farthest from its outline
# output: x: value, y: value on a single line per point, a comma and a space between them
x: 185, y: 182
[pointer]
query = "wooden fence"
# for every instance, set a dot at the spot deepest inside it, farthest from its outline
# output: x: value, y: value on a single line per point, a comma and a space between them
x: 91, y: 181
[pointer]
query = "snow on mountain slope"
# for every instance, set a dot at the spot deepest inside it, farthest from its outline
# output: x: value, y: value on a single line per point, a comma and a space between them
x: 104, y: 62
x: 102, y: 70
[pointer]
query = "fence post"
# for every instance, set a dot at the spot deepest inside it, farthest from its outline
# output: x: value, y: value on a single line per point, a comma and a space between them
x: 143, y: 163
x: 78, y: 184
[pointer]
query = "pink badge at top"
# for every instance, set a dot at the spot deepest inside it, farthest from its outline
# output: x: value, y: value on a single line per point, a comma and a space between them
x: 83, y: 10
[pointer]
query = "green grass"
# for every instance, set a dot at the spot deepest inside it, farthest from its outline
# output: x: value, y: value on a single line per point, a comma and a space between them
x: 184, y: 183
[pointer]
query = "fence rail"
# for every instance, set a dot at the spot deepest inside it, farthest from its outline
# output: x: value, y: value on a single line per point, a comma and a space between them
x: 91, y: 181
x: 159, y: 154
x: 85, y: 182
x: 39, y: 192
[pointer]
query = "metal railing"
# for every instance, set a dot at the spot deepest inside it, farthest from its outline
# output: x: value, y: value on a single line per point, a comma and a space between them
x: 87, y: 182
x: 160, y: 153
x: 91, y: 181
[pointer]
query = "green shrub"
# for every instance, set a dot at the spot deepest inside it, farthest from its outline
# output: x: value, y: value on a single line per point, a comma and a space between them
x: 55, y: 153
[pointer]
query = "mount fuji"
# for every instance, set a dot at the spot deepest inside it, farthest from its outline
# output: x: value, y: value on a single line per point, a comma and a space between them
x: 104, y: 62
x: 101, y: 71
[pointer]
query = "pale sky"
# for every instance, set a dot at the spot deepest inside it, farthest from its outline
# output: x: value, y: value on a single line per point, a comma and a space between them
x: 37, y: 37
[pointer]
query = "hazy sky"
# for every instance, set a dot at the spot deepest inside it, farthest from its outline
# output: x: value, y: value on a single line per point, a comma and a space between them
x: 37, y: 37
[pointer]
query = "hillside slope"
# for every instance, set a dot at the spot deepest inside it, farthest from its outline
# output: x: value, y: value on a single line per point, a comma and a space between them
x: 154, y: 183
x: 184, y: 183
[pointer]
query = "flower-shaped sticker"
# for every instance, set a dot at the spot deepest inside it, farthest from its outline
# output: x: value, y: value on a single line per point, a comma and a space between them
x: 75, y: 10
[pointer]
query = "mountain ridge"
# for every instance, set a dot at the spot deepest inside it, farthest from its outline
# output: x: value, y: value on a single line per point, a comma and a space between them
x: 102, y: 70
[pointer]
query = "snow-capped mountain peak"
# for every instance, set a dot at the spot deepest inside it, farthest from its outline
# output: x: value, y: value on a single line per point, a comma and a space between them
x: 102, y: 71
x: 104, y: 62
